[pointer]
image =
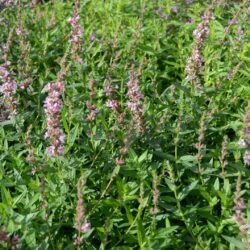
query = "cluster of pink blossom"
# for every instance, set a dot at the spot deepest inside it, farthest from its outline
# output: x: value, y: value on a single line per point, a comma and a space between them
x: 111, y: 103
x: 12, y: 241
x: 8, y: 90
x: 108, y: 88
x: 93, y: 111
x: 195, y: 62
x: 247, y: 158
x: 7, y: 3
x: 53, y: 106
x: 239, y: 207
x: 134, y: 100
x: 76, y: 30
x: 239, y: 30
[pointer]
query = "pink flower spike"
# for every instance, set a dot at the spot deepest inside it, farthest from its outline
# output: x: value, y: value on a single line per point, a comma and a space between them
x: 53, y: 107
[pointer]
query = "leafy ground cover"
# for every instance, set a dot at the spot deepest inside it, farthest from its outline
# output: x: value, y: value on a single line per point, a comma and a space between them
x: 124, y: 124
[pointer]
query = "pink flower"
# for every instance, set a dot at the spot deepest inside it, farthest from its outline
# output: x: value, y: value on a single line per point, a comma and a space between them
x: 240, y: 32
x: 240, y: 205
x: 112, y: 104
x: 51, y: 150
x: 248, y: 10
x: 233, y: 22
x: 7, y: 3
x: 78, y: 241
x: 74, y: 20
x: 33, y: 171
x: 242, y: 143
x: 86, y: 227
x: 108, y: 89
x: 119, y: 161
x: 92, y: 37
x: 247, y: 158
x: 18, y: 31
x: 174, y: 10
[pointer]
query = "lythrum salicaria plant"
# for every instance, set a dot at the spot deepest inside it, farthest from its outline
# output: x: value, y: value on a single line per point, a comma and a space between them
x: 157, y: 167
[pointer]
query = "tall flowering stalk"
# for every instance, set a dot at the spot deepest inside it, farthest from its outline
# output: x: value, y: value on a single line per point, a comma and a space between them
x: 111, y: 103
x: 224, y: 151
x: 24, y: 45
x: 200, y: 146
x: 81, y: 225
x: 246, y: 135
x: 53, y: 103
x: 53, y: 106
x: 156, y: 193
x: 109, y: 90
x: 239, y: 215
x: 93, y: 111
x: 135, y: 98
x: 134, y: 103
x: 76, y: 33
x: 195, y: 61
x: 9, y: 86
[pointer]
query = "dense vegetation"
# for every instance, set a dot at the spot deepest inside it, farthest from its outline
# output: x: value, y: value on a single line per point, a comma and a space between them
x: 124, y: 124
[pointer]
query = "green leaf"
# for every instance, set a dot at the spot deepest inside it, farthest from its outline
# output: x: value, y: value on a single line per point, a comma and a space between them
x: 140, y: 232
x: 64, y: 120
x: 188, y: 161
x: 72, y: 136
x: 19, y: 198
x: 31, y: 239
x: 227, y: 187
x: 234, y: 242
x: 187, y: 190
x: 143, y: 156
x: 6, y: 197
x: 129, y: 215
x: 217, y: 184
x: 170, y: 184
